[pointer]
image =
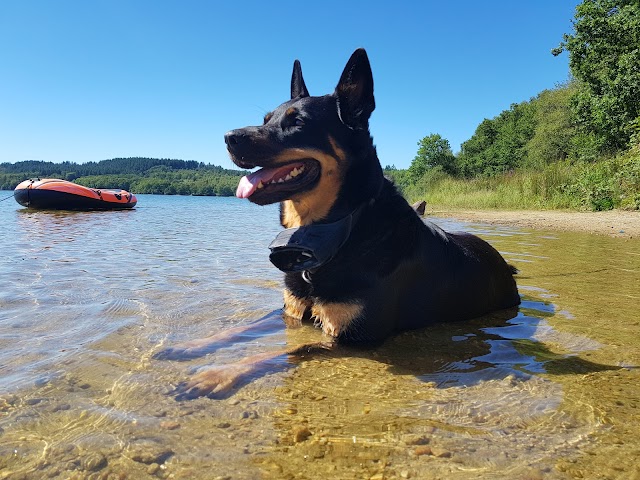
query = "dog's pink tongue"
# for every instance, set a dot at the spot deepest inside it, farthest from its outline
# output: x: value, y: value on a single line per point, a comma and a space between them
x: 245, y: 187
x: 249, y: 183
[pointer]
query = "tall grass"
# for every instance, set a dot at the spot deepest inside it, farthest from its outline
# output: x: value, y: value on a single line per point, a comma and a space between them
x: 602, y: 185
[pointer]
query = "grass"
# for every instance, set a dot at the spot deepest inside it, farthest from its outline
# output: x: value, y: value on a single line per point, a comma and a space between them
x: 603, y: 185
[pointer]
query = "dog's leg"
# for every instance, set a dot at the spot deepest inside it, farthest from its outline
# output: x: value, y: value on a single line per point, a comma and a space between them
x: 335, y: 318
x: 202, y: 346
x: 218, y: 380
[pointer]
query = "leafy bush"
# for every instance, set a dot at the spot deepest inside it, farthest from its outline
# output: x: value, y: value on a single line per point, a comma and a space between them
x: 607, y: 184
x: 628, y: 177
x: 594, y: 186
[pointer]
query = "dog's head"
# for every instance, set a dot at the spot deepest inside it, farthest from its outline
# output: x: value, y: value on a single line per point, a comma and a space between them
x: 307, y: 146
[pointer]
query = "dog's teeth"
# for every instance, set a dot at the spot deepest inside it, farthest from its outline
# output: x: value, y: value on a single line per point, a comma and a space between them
x: 280, y: 180
x: 294, y: 172
x: 260, y: 185
x: 287, y: 178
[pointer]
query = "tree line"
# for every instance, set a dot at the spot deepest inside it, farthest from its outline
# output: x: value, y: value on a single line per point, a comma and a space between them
x: 591, y: 123
x: 135, y: 174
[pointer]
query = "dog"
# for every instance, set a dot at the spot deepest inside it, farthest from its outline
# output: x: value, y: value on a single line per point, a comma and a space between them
x: 358, y: 259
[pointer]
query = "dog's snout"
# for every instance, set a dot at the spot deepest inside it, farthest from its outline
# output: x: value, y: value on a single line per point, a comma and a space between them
x: 234, y: 137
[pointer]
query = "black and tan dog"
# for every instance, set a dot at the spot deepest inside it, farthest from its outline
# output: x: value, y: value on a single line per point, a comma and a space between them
x: 358, y: 259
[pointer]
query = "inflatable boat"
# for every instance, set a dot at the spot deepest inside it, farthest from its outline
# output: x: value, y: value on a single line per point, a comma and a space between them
x: 56, y: 194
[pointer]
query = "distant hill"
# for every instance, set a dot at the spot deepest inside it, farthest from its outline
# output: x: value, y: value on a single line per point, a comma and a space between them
x: 136, y: 174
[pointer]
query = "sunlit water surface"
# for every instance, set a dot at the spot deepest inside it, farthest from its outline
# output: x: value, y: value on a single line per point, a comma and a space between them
x: 87, y: 299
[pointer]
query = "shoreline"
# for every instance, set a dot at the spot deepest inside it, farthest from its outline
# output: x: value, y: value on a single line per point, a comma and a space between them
x: 612, y: 223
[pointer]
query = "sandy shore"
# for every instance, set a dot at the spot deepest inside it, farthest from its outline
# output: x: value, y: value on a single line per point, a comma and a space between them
x: 615, y: 223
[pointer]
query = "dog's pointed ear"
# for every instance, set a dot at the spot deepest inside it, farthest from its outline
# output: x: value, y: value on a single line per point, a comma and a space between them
x: 298, y: 88
x: 355, y: 91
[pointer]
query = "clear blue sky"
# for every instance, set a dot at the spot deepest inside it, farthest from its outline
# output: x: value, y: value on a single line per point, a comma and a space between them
x: 88, y: 80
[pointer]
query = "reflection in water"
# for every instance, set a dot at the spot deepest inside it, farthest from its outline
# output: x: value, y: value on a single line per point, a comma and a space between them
x: 89, y: 298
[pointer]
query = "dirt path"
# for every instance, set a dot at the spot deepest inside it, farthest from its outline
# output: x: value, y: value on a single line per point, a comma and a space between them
x: 615, y: 223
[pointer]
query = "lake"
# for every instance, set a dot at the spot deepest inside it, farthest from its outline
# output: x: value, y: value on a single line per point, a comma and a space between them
x: 551, y: 390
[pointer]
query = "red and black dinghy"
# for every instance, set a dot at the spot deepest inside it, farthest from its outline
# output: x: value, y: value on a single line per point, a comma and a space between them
x: 56, y: 194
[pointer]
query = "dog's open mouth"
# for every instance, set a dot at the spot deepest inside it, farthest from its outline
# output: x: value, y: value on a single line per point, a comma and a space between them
x: 274, y: 184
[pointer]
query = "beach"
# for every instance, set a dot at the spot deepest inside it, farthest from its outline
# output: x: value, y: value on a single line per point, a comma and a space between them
x: 614, y: 223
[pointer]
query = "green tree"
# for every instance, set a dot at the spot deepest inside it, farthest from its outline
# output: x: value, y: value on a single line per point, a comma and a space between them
x: 433, y: 151
x: 604, y: 56
x: 555, y: 129
x: 499, y: 144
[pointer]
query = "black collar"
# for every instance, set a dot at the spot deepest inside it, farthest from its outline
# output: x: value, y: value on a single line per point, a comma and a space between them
x: 307, y: 248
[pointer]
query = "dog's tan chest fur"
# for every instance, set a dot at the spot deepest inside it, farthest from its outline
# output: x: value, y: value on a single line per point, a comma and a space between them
x: 334, y: 318
x: 295, y: 307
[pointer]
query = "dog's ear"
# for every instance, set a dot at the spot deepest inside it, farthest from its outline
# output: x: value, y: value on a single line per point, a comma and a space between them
x: 298, y: 88
x: 355, y: 91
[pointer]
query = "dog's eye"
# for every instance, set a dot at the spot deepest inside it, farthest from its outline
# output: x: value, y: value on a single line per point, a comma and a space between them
x: 298, y: 122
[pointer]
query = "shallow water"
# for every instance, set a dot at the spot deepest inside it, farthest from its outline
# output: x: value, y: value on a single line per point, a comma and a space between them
x: 86, y: 299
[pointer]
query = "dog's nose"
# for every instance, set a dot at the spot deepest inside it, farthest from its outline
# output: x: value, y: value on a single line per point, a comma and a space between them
x: 234, y: 137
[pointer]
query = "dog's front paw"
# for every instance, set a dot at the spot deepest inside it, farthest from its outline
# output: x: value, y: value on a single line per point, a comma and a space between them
x: 213, y: 382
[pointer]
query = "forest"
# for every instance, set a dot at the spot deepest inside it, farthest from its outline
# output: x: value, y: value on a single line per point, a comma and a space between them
x: 135, y: 174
